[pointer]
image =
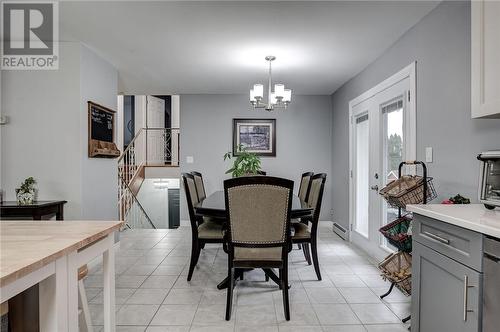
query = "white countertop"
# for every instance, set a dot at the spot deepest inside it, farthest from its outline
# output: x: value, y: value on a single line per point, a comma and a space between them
x: 471, y: 216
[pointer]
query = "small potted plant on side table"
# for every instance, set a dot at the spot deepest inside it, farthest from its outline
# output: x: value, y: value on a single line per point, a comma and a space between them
x: 26, y: 193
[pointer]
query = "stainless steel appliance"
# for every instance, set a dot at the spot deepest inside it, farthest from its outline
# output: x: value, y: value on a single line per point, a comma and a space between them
x: 491, y: 290
x: 489, y: 187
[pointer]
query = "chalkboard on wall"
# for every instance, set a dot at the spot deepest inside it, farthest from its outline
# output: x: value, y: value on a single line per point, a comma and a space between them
x: 101, y: 132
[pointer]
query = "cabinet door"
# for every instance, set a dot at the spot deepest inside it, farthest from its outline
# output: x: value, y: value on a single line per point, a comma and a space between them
x: 446, y: 294
x: 485, y: 58
x: 173, y: 208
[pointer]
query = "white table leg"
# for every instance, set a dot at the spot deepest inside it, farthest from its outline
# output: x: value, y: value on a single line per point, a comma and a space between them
x: 109, y: 285
x: 72, y: 278
x: 53, y: 298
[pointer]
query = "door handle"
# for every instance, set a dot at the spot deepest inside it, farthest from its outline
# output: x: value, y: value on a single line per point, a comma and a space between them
x: 375, y: 187
x: 466, y: 297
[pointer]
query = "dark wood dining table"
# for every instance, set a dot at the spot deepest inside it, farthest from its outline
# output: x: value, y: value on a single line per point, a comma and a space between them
x: 214, y: 206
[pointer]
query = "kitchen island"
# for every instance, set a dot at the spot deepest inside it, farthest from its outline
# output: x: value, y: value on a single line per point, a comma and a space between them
x: 456, y: 268
x: 49, y: 253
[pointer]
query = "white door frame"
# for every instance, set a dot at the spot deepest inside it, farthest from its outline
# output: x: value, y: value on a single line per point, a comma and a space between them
x: 410, y: 126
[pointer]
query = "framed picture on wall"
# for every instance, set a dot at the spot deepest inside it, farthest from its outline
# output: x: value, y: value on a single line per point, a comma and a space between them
x: 256, y: 135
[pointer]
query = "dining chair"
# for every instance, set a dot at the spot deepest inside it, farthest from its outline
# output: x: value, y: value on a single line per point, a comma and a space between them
x: 302, y: 234
x: 258, y: 229
x: 305, y: 184
x: 203, y: 230
x: 200, y: 185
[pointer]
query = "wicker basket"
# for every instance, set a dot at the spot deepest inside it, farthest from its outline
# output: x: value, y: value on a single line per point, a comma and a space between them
x: 397, y: 233
x: 397, y: 269
x: 408, y: 189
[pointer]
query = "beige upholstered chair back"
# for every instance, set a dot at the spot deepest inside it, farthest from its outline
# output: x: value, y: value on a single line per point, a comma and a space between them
x: 316, y: 192
x: 304, y: 186
x: 200, y: 188
x: 258, y: 213
x: 191, y: 187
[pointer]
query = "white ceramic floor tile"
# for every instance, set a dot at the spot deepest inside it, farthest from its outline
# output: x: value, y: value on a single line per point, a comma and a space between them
x: 374, y: 314
x: 335, y: 314
x: 148, y: 296
x: 152, y: 267
x: 174, y: 314
x: 135, y: 314
x: 359, y: 295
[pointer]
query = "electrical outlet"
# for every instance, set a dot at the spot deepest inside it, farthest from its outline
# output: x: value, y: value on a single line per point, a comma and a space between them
x: 189, y: 159
x: 428, y: 154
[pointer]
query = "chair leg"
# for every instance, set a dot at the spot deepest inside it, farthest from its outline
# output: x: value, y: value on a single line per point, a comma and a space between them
x: 230, y: 286
x: 314, y: 249
x: 307, y: 253
x: 84, y: 305
x: 284, y: 288
x: 195, y: 254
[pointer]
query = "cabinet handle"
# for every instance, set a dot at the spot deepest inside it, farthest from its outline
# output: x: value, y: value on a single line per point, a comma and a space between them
x: 437, y: 238
x: 466, y: 297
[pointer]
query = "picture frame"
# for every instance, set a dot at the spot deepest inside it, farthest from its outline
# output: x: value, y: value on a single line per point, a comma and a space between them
x: 257, y: 135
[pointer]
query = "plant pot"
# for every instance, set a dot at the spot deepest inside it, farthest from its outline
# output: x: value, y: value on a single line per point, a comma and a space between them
x: 25, y: 197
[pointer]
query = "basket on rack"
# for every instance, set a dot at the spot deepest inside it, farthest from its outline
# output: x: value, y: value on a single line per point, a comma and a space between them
x: 408, y: 189
x: 397, y: 233
x: 397, y: 269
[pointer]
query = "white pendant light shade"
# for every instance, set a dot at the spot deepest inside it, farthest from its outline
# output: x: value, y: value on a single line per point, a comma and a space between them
x: 279, y: 90
x: 273, y: 98
x: 287, y: 97
x: 258, y: 90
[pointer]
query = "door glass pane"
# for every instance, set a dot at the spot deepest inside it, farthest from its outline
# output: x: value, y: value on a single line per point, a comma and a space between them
x: 361, y: 175
x: 393, y: 150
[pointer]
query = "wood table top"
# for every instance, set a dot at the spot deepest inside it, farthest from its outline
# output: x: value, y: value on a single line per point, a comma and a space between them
x: 26, y: 246
x: 35, y: 204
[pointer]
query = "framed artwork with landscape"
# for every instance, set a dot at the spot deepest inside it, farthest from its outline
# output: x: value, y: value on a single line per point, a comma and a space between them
x: 255, y: 135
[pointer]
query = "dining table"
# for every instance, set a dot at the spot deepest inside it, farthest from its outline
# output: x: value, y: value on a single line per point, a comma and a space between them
x: 214, y: 206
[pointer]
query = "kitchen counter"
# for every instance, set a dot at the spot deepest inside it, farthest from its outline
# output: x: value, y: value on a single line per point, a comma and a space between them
x: 470, y: 216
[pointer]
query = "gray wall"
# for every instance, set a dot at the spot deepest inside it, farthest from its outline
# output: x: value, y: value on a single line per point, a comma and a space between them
x: 440, y: 43
x: 47, y: 134
x: 303, y: 138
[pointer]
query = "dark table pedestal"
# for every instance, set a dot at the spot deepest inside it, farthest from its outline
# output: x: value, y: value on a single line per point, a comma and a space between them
x: 24, y: 307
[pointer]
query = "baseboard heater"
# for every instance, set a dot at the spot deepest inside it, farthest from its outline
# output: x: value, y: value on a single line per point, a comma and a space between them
x: 340, y: 230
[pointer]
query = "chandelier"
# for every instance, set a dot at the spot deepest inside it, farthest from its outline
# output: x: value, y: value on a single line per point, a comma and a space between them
x: 280, y: 98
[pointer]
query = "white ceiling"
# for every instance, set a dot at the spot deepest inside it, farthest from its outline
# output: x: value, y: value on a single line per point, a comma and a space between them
x: 219, y: 47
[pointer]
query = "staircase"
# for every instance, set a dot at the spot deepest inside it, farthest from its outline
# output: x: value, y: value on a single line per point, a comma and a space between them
x: 151, y: 147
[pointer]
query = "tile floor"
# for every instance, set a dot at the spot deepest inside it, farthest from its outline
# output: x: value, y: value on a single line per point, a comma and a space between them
x: 152, y: 293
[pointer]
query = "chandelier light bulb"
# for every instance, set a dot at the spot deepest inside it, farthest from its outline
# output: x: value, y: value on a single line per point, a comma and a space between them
x: 287, y: 96
x: 258, y: 90
x: 279, y: 90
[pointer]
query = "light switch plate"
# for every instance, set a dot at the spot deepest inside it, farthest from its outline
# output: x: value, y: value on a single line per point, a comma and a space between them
x: 428, y: 154
x: 189, y: 159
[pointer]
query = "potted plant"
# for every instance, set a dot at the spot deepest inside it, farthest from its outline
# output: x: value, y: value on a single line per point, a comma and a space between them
x: 26, y: 193
x: 245, y: 163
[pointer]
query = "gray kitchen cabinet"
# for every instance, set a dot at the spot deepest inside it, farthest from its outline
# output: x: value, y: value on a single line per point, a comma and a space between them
x: 446, y: 295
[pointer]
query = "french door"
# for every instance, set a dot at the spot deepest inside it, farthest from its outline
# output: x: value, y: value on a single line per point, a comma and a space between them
x: 382, y: 134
